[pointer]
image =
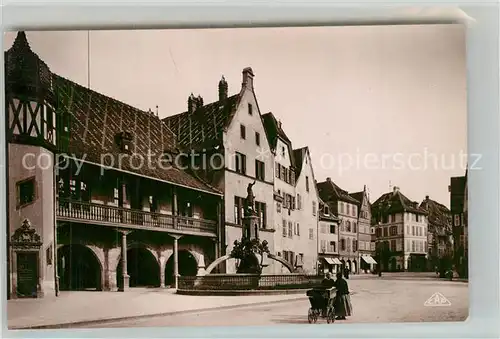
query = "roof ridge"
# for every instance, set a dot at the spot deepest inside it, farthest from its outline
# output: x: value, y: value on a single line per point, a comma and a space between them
x: 204, y: 105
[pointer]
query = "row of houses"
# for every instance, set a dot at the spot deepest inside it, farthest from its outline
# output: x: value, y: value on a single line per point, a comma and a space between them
x: 104, y: 196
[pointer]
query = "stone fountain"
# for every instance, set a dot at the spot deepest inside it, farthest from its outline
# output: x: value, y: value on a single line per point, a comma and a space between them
x: 252, y: 256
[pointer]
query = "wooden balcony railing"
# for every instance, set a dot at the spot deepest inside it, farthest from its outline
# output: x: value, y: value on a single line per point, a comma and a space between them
x: 84, y: 211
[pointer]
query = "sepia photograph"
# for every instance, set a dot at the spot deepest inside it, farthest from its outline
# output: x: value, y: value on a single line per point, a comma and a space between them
x: 237, y: 176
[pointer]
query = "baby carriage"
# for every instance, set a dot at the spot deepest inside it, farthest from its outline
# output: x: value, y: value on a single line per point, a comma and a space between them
x: 322, y: 304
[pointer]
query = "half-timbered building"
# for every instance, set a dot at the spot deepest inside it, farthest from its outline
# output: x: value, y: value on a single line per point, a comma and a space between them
x: 97, y: 196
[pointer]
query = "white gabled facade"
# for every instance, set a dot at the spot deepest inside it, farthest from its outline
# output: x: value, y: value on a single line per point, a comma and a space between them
x: 285, y: 206
x: 245, y: 139
x: 307, y: 214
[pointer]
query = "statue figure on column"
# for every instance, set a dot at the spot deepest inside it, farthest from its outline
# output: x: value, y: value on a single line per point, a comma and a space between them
x: 250, y: 200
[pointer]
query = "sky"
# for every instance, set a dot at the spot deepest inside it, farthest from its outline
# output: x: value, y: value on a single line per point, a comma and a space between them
x: 380, y: 106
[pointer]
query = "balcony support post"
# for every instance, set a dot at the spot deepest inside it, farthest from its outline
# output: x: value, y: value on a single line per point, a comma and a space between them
x: 125, y: 277
x: 176, y: 260
x: 175, y: 210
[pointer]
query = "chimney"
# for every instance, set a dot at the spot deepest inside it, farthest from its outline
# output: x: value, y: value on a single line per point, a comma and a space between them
x: 279, y: 124
x: 157, y: 114
x: 247, y: 78
x: 395, y: 189
x: 199, y: 102
x: 426, y: 197
x: 191, y: 104
x: 329, y: 179
x: 222, y: 89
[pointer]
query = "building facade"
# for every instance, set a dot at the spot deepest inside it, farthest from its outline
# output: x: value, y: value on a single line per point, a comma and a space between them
x: 401, y: 233
x: 365, y: 252
x: 307, y: 203
x: 328, y: 237
x: 345, y: 208
x: 84, y: 212
x: 231, y: 129
x: 458, y: 207
x: 440, y: 236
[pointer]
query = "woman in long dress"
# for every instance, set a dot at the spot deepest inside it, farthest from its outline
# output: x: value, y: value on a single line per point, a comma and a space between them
x: 343, y: 306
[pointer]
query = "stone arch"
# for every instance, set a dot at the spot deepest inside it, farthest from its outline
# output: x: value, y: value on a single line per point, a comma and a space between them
x: 143, y: 266
x: 80, y: 267
x: 196, y: 251
x: 187, y: 265
x: 284, y: 262
x: 216, y: 263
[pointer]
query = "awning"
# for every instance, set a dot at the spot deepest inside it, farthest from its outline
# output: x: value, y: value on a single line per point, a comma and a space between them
x: 337, y: 261
x: 368, y: 259
x: 329, y: 260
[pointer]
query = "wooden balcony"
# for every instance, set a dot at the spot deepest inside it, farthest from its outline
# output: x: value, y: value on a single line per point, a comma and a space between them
x: 99, y: 214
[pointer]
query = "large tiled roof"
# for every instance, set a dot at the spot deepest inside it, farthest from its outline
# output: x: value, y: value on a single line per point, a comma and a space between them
x: 329, y: 191
x: 274, y: 130
x: 299, y: 155
x: 439, y: 216
x: 395, y: 202
x: 358, y: 196
x: 203, y: 128
x: 94, y: 121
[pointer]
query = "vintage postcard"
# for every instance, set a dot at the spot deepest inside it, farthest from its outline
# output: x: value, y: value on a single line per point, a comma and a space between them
x: 252, y: 176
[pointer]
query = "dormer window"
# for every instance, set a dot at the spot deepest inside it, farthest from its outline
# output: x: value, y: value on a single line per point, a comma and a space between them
x: 327, y: 210
x: 124, y: 141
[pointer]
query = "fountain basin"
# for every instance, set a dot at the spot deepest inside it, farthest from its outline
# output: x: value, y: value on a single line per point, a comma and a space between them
x: 242, y: 284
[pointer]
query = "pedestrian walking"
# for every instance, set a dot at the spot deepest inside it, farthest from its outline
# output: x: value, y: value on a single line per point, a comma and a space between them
x: 343, y: 306
x: 346, y: 273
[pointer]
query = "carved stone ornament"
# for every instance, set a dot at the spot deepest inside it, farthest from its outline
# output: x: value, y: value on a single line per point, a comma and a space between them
x: 26, y: 236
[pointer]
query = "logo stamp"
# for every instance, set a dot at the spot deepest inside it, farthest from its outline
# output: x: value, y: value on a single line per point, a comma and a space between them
x: 437, y: 299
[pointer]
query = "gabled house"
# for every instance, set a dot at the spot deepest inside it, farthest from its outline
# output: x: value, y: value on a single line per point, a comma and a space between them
x: 365, y: 251
x: 401, y: 232
x: 345, y: 208
x: 328, y: 238
x: 440, y: 235
x: 307, y: 207
x: 233, y: 151
x: 296, y: 199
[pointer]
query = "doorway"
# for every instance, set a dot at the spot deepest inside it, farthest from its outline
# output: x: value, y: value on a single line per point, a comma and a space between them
x: 27, y: 274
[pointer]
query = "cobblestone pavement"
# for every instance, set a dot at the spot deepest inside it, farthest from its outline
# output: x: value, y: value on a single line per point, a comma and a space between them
x: 374, y: 300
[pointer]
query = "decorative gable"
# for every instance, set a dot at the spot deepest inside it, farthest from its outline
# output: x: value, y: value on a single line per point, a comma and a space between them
x: 25, y: 237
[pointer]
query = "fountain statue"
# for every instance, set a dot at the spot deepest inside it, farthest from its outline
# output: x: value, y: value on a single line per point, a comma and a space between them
x: 250, y: 200
x: 251, y: 253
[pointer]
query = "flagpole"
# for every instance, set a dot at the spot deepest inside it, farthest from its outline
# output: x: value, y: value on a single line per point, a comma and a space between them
x: 88, y: 59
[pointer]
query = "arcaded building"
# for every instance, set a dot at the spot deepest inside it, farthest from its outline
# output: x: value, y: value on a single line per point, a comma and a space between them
x: 95, y: 201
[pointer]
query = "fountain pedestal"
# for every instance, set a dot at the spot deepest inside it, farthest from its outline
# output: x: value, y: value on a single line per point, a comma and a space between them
x: 250, y: 227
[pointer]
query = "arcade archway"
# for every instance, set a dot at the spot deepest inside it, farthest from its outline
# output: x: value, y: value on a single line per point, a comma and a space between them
x: 79, y: 268
x: 187, y: 265
x: 142, y: 267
